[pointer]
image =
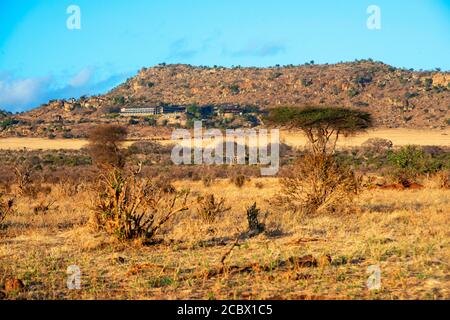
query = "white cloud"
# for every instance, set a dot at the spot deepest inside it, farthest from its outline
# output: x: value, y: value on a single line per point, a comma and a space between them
x: 16, y: 92
x: 82, y: 78
x: 23, y: 94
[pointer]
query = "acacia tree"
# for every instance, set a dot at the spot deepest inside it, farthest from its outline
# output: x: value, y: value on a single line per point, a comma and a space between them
x: 318, y: 183
x: 322, y: 125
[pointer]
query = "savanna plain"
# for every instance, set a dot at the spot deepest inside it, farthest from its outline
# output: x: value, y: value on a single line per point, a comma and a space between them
x: 225, y: 232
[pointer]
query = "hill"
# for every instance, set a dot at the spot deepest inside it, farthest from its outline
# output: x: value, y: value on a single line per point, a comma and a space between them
x: 397, y: 98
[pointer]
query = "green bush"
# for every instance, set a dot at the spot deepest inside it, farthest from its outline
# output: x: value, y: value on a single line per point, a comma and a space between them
x: 253, y: 120
x: 412, y: 161
x: 120, y: 100
x: 409, y: 95
x: 439, y: 89
x: 408, y: 157
x: 428, y: 83
x: 196, y: 112
x: 234, y: 88
x: 8, y: 122
x: 151, y: 121
x: 352, y: 92
x: 307, y: 82
x: 363, y: 80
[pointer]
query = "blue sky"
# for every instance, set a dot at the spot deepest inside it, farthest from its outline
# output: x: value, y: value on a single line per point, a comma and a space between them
x: 41, y: 59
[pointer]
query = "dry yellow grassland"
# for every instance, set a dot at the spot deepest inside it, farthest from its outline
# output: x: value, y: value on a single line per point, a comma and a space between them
x: 405, y: 233
x: 397, y: 136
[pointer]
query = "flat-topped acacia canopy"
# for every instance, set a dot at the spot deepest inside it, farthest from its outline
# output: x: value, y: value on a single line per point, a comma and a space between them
x: 320, y: 124
x: 336, y: 119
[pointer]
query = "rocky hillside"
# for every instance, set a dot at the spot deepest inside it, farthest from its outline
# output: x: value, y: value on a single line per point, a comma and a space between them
x: 395, y: 97
x: 4, y: 114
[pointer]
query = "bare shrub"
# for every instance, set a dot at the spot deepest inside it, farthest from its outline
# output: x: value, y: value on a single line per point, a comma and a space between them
x: 319, y: 185
x: 443, y: 179
x: 150, y: 148
x: 378, y: 145
x: 209, y: 207
x: 39, y: 188
x: 23, y: 179
x: 65, y: 188
x: 105, y: 146
x: 253, y: 216
x: 238, y: 180
x: 43, y: 207
x: 6, y: 207
x: 259, y: 185
x: 28, y: 183
x: 5, y: 187
x: 164, y: 183
x: 207, y: 180
x: 133, y: 208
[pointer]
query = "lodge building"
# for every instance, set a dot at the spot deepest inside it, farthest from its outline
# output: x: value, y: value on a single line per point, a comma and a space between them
x: 151, y: 111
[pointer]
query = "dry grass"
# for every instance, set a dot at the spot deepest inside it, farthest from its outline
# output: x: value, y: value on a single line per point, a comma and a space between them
x: 41, y: 143
x: 399, y: 137
x: 405, y: 232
